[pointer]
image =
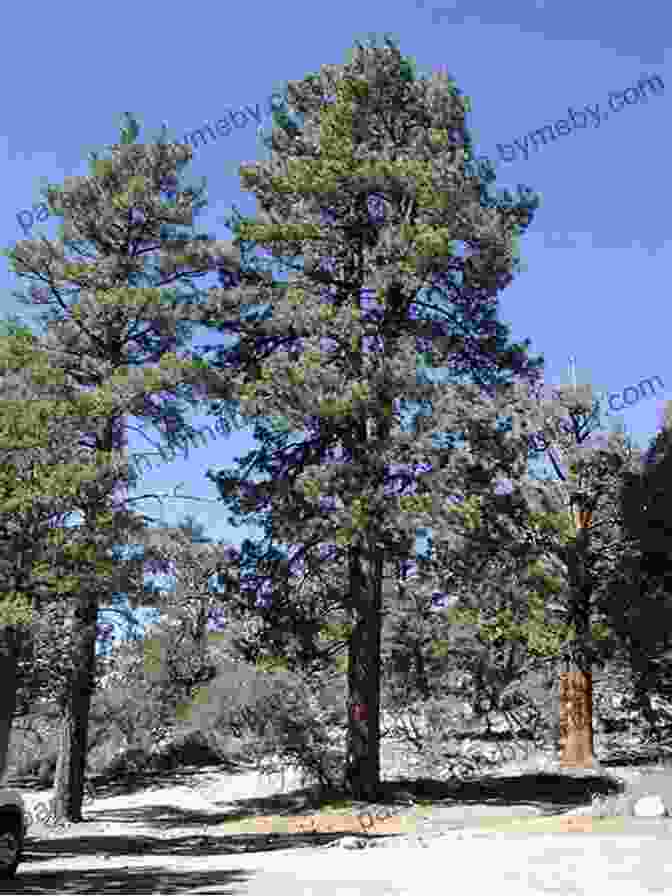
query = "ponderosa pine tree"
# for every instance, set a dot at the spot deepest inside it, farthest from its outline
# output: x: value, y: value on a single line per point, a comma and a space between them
x: 372, y: 191
x: 42, y: 482
x: 111, y: 339
x: 46, y: 458
x: 562, y: 534
x: 50, y: 475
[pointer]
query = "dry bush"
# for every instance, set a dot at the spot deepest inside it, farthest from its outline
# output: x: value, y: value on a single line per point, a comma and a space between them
x: 281, y: 716
x: 460, y: 710
x: 33, y: 745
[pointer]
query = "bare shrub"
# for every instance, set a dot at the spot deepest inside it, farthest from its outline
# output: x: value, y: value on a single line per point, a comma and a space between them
x: 283, y: 716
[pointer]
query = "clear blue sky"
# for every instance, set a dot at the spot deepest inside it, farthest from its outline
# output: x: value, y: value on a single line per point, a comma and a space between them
x: 597, y: 257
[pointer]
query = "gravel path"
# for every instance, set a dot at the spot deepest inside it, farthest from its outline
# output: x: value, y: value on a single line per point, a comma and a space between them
x: 522, y: 865
x: 177, y: 838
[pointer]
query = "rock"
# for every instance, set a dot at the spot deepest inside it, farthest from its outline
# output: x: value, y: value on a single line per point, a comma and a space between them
x: 349, y: 843
x: 649, y: 807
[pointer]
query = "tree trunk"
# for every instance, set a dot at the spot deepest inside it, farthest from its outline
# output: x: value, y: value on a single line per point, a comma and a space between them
x: 576, y: 719
x: 362, y: 773
x: 74, y: 722
x: 576, y: 683
x: 75, y: 703
x: 8, y: 677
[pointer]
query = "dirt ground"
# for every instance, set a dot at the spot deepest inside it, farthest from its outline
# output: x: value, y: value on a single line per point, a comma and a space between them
x: 213, y: 831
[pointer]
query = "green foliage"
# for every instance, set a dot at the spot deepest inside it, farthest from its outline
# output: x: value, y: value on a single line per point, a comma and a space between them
x: 271, y: 663
x: 322, y: 363
x: 13, y: 325
x: 321, y: 374
x: 153, y: 656
x: 129, y: 133
x: 335, y: 631
x: 84, y: 376
x: 15, y: 609
x: 531, y: 534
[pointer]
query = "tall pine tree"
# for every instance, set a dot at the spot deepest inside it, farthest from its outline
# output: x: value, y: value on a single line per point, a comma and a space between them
x: 118, y: 283
x: 363, y: 203
x: 561, y: 531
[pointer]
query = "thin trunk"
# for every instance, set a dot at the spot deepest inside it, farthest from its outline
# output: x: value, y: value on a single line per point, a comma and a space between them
x: 8, y: 677
x: 362, y: 773
x: 75, y: 703
x: 74, y: 722
x: 422, y: 679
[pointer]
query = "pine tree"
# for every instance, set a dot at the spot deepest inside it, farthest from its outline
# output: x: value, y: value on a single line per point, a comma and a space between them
x: 28, y: 528
x: 371, y: 191
x: 563, y: 536
x: 42, y: 482
x: 110, y: 340
x: 48, y: 561
x: 639, y: 603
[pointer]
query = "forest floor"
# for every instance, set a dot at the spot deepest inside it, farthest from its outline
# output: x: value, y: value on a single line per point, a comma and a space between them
x: 237, y: 831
